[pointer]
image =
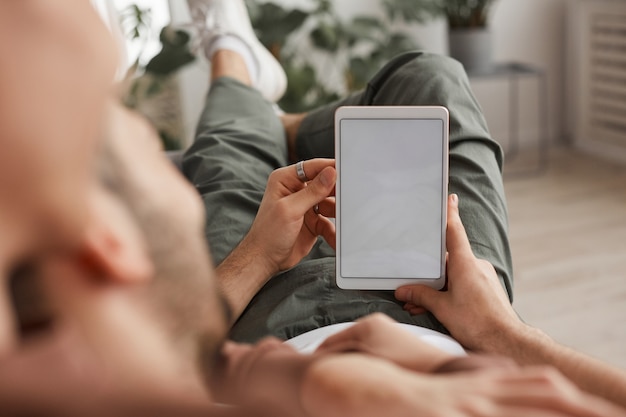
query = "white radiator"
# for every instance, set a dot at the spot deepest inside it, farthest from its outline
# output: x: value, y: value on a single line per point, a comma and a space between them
x: 598, y: 66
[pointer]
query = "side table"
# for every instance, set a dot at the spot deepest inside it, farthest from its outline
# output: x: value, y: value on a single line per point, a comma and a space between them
x: 513, y: 72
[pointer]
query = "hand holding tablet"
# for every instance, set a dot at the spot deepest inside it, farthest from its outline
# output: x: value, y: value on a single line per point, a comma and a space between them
x: 392, y: 188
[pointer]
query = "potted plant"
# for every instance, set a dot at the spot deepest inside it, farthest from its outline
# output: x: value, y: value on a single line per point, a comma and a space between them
x: 469, y: 34
x: 150, y: 88
x: 326, y: 55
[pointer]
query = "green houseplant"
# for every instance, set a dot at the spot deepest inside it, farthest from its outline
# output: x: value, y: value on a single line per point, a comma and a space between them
x: 459, y: 13
x: 468, y: 22
x: 151, y: 88
x: 470, y: 39
x: 326, y: 55
x: 468, y: 13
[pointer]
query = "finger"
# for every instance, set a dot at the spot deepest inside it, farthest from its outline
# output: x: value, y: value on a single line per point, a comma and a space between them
x: 456, y: 237
x: 541, y: 401
x: 316, y: 191
x: 362, y: 331
x: 328, y: 232
x: 321, y: 226
x: 342, y: 346
x: 312, y: 168
x: 419, y: 296
x: 342, y: 341
x: 288, y: 176
x: 414, y: 310
x: 547, y: 388
x: 326, y: 207
x: 522, y: 410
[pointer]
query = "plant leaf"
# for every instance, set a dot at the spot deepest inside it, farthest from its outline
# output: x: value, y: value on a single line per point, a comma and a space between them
x: 325, y: 37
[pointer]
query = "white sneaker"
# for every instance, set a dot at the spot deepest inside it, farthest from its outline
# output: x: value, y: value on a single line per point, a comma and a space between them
x: 213, y: 18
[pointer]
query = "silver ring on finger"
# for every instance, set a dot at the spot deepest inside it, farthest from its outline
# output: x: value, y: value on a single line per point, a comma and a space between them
x: 300, y: 172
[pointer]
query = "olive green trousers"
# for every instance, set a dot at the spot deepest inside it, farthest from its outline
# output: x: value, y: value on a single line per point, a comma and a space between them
x: 240, y: 141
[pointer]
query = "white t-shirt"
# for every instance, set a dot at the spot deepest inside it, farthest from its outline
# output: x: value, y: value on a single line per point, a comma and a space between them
x: 309, y: 341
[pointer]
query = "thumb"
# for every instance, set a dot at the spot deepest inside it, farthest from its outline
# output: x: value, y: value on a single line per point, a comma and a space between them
x: 457, y: 242
x: 420, y: 296
x: 315, y: 191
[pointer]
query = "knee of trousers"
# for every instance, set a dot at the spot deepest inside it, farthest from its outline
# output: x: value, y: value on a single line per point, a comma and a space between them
x: 430, y: 65
x: 423, y: 73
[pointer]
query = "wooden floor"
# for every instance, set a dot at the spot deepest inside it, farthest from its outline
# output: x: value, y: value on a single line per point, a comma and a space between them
x: 568, y: 236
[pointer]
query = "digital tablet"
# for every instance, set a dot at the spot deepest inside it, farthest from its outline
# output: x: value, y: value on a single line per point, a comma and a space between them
x: 391, y: 194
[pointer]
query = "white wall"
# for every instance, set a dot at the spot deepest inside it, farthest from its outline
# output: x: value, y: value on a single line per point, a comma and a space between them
x: 194, y: 79
x: 529, y: 31
x: 534, y: 31
x: 526, y: 31
x: 139, y: 49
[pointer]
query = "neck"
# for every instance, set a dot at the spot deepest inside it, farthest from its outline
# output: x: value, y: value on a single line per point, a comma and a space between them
x: 143, y: 354
x: 139, y: 355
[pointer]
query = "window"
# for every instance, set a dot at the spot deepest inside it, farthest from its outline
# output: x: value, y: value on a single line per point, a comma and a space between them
x: 120, y: 19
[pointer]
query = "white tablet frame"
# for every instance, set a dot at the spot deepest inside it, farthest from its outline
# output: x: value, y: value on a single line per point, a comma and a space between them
x: 391, y: 112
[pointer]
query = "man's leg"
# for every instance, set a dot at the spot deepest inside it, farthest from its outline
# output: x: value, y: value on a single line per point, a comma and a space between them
x: 239, y: 142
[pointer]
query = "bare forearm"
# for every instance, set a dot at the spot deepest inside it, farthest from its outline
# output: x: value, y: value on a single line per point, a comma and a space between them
x: 241, y: 275
x: 530, y: 346
x: 479, y: 315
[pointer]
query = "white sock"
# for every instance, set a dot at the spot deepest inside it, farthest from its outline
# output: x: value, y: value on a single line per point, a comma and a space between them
x: 236, y: 44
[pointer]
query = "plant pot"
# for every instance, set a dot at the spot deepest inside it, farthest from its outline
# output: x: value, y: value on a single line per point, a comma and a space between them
x: 472, y: 47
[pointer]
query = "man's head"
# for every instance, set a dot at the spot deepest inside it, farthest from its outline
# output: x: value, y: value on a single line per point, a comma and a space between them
x: 57, y: 67
x: 141, y: 292
x: 122, y: 262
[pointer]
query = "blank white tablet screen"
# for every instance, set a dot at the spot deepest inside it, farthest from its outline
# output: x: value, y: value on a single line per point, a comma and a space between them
x: 391, y: 194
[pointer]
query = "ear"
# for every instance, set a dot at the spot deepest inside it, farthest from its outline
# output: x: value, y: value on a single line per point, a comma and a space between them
x: 113, y: 244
